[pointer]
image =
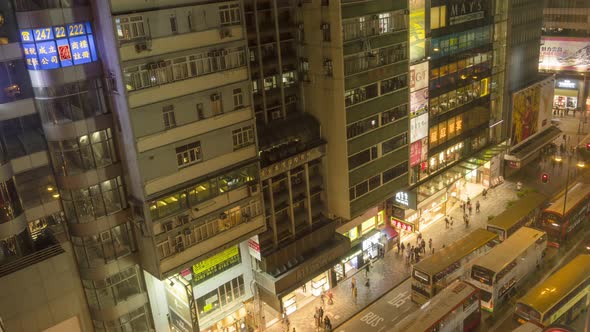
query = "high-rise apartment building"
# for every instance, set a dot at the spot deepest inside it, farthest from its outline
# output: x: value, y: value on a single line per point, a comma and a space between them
x: 528, y: 96
x: 454, y: 122
x: 146, y: 110
x: 300, y: 244
x: 40, y: 287
x: 199, y: 153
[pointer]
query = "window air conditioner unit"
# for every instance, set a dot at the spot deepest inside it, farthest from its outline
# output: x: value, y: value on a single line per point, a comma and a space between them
x: 187, y: 231
x: 179, y: 247
x: 224, y: 33
x: 253, y: 189
x: 140, y: 47
x: 223, y: 216
x: 152, y: 65
x: 162, y: 64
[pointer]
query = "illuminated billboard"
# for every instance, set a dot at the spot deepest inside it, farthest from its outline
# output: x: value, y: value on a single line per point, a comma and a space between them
x: 418, y: 127
x: 418, y: 88
x: 525, y: 113
x: 417, y: 30
x: 564, y: 53
x: 58, y: 46
x: 216, y: 264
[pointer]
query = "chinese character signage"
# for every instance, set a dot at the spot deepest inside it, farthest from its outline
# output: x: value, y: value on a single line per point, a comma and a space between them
x: 400, y: 224
x: 58, y: 46
x: 564, y: 53
x: 214, y: 265
x: 418, y: 127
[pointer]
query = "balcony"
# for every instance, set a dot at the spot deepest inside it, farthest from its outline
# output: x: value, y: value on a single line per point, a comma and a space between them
x: 169, y: 44
x: 45, y: 247
x: 175, y: 89
x: 187, y: 257
x: 296, y: 139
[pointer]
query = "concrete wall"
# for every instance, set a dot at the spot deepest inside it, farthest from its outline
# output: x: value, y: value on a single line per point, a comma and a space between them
x: 44, y: 295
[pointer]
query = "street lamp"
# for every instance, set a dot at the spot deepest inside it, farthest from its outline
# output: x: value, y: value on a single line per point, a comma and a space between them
x: 580, y: 164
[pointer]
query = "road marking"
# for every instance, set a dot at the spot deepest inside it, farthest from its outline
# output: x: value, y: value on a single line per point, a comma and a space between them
x: 372, y: 319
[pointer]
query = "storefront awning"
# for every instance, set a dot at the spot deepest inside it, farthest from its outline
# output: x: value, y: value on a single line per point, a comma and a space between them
x: 444, y: 180
x: 533, y: 145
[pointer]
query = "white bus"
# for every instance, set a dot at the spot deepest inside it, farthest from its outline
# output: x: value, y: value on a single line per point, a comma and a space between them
x: 435, y: 272
x: 498, y: 272
x: 455, y: 308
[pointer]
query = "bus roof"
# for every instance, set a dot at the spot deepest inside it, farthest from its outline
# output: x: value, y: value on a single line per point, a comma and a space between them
x: 507, y: 251
x: 519, y: 210
x: 549, y: 292
x: 455, y: 251
x: 576, y: 193
x: 434, y: 310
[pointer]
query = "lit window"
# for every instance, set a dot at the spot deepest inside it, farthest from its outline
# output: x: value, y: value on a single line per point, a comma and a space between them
x: 188, y: 154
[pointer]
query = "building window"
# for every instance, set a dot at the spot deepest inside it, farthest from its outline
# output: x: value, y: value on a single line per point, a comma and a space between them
x: 326, y: 32
x: 238, y: 98
x: 270, y: 83
x: 229, y: 14
x: 129, y: 28
x: 362, y: 126
x: 173, y: 24
x: 188, y: 154
x: 395, y: 172
x: 243, y: 137
x: 362, y: 157
x: 200, y: 111
x: 168, y: 116
x: 394, y: 114
x: 216, y: 104
x: 438, y: 17
x: 394, y: 143
x: 328, y: 69
x: 224, y: 296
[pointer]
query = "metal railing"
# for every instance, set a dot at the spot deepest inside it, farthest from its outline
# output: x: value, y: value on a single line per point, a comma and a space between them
x: 32, y: 259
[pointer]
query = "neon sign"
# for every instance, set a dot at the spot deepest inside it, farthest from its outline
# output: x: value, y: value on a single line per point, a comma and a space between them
x: 58, y: 46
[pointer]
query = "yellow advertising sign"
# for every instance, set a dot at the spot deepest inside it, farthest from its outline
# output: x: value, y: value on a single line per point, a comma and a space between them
x: 216, y: 264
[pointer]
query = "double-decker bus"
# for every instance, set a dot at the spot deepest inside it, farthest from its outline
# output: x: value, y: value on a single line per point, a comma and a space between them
x: 434, y: 273
x: 455, y: 308
x: 523, y: 213
x: 502, y: 268
x: 560, y: 298
x: 558, y: 224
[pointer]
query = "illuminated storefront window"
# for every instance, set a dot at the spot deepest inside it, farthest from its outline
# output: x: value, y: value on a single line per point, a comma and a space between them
x: 58, y: 46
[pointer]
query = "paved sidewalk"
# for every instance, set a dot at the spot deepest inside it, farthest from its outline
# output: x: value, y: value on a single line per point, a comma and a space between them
x: 390, y: 271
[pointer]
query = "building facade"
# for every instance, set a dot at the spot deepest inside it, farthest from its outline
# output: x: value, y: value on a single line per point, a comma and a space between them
x: 40, y: 284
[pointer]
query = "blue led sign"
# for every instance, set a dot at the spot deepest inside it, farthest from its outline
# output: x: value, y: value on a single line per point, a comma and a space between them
x: 58, y: 46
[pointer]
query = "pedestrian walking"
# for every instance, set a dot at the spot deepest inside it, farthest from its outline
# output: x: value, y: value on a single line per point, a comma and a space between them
x: 321, y: 312
x: 477, y: 206
x: 353, y: 282
x: 330, y: 297
x: 317, y: 317
x: 430, y: 244
x: 423, y: 246
x: 452, y: 221
x: 367, y: 269
x: 446, y: 222
x: 304, y: 287
x: 354, y: 294
x: 464, y: 207
x: 322, y: 298
x: 398, y: 247
x: 288, y: 323
x: 468, y: 200
x: 403, y: 247
x: 327, y: 324
x: 470, y: 209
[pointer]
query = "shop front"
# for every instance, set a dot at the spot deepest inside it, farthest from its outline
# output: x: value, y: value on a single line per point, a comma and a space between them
x: 370, y: 239
x: 565, y: 96
x: 288, y: 291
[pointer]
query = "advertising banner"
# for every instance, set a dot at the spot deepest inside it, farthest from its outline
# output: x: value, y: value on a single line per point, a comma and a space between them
x: 418, y: 127
x: 419, y: 76
x: 525, y: 113
x: 417, y: 30
x: 418, y: 102
x: 254, y: 247
x: 180, y: 313
x: 564, y: 53
x: 546, y: 103
x: 216, y: 264
x: 415, y: 153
